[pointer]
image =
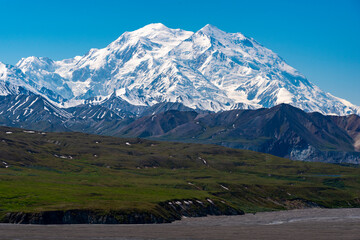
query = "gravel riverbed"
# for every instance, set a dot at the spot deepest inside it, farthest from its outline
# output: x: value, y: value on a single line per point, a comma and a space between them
x: 301, y: 224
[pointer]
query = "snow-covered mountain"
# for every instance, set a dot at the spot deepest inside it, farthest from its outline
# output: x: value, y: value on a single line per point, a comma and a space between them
x: 209, y: 70
x: 13, y: 82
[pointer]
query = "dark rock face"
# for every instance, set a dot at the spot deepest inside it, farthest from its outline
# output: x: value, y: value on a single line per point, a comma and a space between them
x: 31, y: 112
x: 82, y: 217
x: 160, y: 124
x: 165, y: 213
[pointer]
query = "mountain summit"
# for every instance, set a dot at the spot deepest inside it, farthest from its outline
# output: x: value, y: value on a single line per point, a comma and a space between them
x: 208, y: 70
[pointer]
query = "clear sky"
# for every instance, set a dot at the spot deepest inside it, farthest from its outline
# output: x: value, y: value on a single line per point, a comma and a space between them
x: 319, y: 38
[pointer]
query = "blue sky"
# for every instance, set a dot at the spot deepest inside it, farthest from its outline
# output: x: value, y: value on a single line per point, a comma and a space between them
x: 319, y: 38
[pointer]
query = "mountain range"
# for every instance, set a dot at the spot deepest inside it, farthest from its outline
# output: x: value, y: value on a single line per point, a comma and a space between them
x: 207, y: 70
x: 207, y: 86
x: 282, y: 130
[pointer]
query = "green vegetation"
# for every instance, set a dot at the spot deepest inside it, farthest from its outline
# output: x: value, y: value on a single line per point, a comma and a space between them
x: 62, y: 171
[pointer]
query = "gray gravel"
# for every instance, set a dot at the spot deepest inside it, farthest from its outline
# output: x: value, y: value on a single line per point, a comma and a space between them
x: 296, y: 224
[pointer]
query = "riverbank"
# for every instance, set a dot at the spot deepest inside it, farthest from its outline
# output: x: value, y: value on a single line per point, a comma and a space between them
x: 301, y: 224
x: 165, y: 212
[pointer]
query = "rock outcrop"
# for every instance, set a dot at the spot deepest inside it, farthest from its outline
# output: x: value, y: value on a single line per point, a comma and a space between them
x: 164, y: 212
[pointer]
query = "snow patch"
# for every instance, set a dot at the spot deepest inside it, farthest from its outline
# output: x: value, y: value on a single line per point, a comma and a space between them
x: 284, y: 96
x: 203, y: 160
x: 31, y: 132
x: 224, y: 187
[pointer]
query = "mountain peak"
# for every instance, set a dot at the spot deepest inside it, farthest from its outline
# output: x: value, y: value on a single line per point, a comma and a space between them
x: 155, y: 26
x: 210, y: 26
x: 155, y: 32
x: 38, y: 62
x: 211, y: 30
x: 153, y: 29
